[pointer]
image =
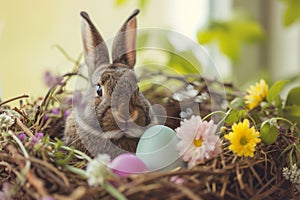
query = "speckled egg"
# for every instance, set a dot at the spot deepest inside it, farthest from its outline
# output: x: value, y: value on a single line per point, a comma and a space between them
x: 127, y: 164
x: 157, y: 148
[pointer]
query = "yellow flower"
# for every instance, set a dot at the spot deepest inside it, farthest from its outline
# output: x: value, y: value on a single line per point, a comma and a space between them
x: 243, y: 139
x: 256, y: 94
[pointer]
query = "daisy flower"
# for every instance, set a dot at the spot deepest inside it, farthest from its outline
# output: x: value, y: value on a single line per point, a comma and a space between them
x: 243, y: 139
x: 256, y: 94
x: 97, y: 170
x: 198, y: 140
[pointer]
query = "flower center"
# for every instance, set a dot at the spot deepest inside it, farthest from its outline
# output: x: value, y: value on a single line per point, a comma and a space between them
x: 198, y: 143
x: 243, y: 141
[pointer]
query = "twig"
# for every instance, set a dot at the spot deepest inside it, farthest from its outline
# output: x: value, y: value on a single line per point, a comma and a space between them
x: 78, y: 193
x: 13, y: 99
x: 168, y: 174
x: 239, y: 178
x: 20, y: 112
x: 258, y: 193
x: 27, y: 166
x: 24, y: 128
x: 52, y: 168
x: 191, y: 195
x: 37, y: 183
x: 254, y: 172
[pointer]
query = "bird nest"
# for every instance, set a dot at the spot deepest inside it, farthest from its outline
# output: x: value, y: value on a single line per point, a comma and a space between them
x: 41, y: 167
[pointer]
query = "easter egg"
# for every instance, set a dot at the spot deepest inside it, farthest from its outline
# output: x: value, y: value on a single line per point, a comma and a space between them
x: 157, y: 148
x: 127, y: 164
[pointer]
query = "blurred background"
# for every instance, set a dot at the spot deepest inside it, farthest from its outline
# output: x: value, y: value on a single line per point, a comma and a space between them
x: 247, y: 40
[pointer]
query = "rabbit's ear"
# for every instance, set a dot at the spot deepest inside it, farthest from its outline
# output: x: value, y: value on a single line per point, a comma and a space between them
x: 94, y: 48
x: 124, y: 45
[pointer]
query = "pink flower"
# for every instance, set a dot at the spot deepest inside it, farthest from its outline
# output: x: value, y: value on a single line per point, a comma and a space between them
x: 198, y: 140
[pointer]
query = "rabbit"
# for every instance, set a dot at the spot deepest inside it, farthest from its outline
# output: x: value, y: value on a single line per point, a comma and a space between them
x: 114, y: 113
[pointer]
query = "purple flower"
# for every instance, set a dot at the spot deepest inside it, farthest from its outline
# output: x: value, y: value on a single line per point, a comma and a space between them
x: 46, y: 117
x: 55, y: 111
x: 281, y: 128
x: 22, y: 136
x: 51, y: 80
x: 39, y: 135
x: 37, y: 138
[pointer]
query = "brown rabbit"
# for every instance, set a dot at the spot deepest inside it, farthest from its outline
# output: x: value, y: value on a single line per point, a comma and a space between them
x: 113, y: 121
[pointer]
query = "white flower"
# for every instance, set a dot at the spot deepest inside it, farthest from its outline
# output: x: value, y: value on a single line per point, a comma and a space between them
x: 186, y: 94
x: 202, y: 97
x: 5, y: 121
x: 186, y: 114
x: 292, y: 174
x: 98, y: 169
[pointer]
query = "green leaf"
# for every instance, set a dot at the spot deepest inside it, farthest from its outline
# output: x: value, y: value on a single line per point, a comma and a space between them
x: 293, y: 97
x: 248, y: 30
x: 278, y: 105
x: 184, y: 62
x: 143, y: 3
x: 230, y: 35
x: 268, y: 132
x: 275, y: 90
x: 292, y: 12
x: 232, y: 117
x: 237, y: 103
x: 58, y: 143
x: 278, y: 102
x: 293, y: 110
x: 66, y: 159
x: 242, y: 113
x: 230, y: 46
x: 206, y: 36
x: 120, y: 2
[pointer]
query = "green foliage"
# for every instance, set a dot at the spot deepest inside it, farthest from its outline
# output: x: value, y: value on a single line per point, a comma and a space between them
x: 275, y: 90
x: 141, y: 3
x: 271, y: 117
x: 183, y: 61
x: 268, y: 132
x: 237, y: 103
x: 292, y: 107
x: 63, y: 159
x: 231, y: 34
x: 293, y: 97
x: 235, y: 116
x: 292, y: 12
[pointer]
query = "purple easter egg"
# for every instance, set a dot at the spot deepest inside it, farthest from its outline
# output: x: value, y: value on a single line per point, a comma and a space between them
x: 127, y: 164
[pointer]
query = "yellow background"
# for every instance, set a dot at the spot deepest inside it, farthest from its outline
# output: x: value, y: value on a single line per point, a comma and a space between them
x: 29, y: 30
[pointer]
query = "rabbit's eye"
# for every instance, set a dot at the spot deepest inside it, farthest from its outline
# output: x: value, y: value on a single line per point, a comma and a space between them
x: 99, y: 90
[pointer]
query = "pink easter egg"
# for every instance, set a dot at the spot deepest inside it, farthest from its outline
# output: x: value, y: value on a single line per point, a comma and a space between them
x: 127, y: 164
